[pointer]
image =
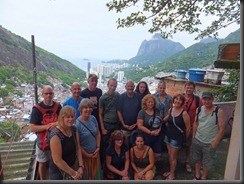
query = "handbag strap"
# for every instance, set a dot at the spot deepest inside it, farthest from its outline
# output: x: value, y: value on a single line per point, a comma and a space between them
x: 190, y: 104
x: 86, y: 127
x: 175, y: 123
x: 154, y: 115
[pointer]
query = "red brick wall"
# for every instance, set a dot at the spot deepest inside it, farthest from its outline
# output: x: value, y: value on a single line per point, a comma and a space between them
x: 174, y: 86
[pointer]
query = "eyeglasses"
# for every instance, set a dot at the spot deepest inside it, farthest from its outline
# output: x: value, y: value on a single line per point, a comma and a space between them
x: 119, y: 139
x: 48, y: 93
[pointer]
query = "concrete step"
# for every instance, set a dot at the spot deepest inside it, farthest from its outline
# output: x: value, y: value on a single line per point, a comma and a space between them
x: 16, y: 154
x: 14, y: 174
x: 18, y: 160
x: 20, y: 178
x: 17, y: 163
x: 12, y: 166
x: 16, y: 145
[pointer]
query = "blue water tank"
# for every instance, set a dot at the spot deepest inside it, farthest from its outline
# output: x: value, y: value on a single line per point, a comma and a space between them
x: 196, y: 74
x: 180, y: 74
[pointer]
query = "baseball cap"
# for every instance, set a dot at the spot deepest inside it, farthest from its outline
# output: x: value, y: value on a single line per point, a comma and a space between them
x: 207, y: 94
x: 92, y: 76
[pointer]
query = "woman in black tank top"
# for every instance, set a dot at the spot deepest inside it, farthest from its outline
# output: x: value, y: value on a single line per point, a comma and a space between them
x: 142, y: 160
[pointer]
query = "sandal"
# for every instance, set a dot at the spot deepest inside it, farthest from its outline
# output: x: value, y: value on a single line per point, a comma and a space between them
x: 170, y: 178
x: 188, y: 167
x: 166, y: 174
x: 196, y: 178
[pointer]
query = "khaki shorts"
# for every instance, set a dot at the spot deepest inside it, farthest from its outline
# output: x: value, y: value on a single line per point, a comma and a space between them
x: 203, y: 153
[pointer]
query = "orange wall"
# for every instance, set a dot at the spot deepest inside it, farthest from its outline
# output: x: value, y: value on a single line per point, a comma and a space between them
x: 174, y: 86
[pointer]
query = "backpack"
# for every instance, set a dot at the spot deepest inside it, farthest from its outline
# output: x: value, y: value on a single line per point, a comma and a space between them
x: 48, y: 116
x: 197, y: 101
x: 215, y: 111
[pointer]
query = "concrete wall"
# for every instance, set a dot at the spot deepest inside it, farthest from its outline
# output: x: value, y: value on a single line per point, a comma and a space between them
x: 174, y: 86
x: 233, y: 168
x: 229, y: 109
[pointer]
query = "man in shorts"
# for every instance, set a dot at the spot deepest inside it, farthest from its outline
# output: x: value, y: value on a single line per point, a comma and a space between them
x: 208, y: 129
x: 36, y: 125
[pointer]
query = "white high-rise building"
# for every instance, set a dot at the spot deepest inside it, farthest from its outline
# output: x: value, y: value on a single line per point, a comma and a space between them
x: 121, y: 75
x: 88, y: 69
x: 105, y: 70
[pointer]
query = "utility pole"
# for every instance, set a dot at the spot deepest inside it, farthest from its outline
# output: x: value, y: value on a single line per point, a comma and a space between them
x: 34, y: 67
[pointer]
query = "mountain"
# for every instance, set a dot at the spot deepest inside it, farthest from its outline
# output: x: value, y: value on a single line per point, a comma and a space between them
x: 154, y: 50
x: 16, y: 58
x: 198, y: 55
x: 209, y: 40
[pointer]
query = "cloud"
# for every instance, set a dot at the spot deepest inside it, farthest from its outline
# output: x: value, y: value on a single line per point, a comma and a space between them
x: 77, y: 28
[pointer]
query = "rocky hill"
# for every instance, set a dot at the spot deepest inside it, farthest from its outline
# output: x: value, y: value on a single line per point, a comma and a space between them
x: 154, y: 50
x: 198, y: 55
x: 16, y: 55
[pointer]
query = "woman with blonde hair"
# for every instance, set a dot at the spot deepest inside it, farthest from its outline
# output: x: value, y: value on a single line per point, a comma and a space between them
x: 66, y: 159
x: 164, y: 103
x: 149, y: 122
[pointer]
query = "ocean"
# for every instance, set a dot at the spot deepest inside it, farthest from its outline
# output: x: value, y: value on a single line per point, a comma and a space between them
x: 82, y: 62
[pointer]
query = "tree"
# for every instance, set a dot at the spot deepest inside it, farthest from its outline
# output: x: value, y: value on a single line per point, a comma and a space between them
x: 228, y: 92
x: 3, y: 92
x: 179, y: 15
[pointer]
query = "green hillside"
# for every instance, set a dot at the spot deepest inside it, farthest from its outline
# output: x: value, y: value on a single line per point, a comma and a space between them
x: 196, y: 56
x: 16, y: 62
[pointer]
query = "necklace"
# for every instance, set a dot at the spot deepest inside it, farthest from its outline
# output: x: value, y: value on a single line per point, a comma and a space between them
x: 66, y: 133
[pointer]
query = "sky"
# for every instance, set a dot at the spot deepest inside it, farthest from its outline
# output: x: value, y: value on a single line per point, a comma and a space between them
x: 75, y: 29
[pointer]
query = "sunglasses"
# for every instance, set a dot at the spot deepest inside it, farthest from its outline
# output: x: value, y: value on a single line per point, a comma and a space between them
x: 48, y: 93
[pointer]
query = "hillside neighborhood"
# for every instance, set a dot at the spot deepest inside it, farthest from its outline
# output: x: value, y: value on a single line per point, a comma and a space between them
x: 19, y: 111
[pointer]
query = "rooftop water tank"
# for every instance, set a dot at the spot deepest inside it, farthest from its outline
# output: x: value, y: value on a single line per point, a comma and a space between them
x: 196, y: 74
x: 180, y: 74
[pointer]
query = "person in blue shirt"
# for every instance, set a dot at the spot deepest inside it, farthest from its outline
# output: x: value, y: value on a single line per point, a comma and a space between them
x: 128, y: 107
x: 75, y: 99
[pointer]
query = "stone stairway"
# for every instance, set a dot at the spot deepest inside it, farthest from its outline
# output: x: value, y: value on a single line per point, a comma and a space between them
x: 16, y: 162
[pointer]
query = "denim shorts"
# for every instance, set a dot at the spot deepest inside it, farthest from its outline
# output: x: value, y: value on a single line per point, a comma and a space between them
x: 172, y: 142
x: 154, y: 142
x: 42, y: 156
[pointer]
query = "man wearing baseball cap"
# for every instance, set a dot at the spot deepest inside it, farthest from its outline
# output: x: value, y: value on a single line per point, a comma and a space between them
x: 208, y: 130
x: 94, y: 93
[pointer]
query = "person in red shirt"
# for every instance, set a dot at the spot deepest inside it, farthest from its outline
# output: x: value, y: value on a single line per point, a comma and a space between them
x: 192, y: 102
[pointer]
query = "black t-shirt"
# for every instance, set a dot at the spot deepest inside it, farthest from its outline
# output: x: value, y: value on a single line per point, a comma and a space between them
x: 36, y: 115
x: 118, y: 161
x: 94, y: 96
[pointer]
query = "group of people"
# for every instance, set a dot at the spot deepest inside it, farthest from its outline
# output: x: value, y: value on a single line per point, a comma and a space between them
x: 97, y: 135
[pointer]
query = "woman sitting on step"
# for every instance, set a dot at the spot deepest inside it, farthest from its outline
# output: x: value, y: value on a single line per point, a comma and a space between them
x: 142, y: 160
